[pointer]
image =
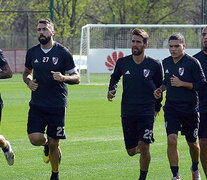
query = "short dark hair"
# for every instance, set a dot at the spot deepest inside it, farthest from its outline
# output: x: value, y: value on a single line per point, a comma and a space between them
x: 46, y: 21
x: 177, y: 36
x: 142, y: 33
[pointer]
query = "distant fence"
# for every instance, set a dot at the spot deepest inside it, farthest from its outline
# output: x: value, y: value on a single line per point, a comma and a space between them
x: 16, y: 59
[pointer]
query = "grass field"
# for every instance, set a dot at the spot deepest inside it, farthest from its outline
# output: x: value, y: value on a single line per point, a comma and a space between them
x: 94, y: 148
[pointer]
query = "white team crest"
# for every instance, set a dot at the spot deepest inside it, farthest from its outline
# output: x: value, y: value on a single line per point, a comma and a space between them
x: 55, y: 60
x: 146, y: 72
x: 181, y: 71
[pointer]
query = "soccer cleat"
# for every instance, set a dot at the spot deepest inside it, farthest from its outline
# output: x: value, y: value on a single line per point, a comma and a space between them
x: 176, y: 178
x: 46, y: 157
x: 196, y: 174
x: 9, y: 155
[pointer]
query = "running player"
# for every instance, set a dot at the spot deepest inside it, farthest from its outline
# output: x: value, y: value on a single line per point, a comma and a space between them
x: 48, y: 61
x: 141, y: 76
x: 183, y: 77
x: 4, y: 144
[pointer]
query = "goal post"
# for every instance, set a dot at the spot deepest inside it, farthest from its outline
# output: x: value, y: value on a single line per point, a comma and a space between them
x: 103, y: 44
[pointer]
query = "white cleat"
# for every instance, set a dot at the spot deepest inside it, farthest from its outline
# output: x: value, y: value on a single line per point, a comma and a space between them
x: 196, y: 174
x: 9, y: 155
x: 176, y: 178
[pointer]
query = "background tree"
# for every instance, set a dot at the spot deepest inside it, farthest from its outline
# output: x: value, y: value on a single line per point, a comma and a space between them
x: 71, y: 15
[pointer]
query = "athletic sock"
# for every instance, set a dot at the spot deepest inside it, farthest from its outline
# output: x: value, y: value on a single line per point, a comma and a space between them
x: 5, y: 149
x: 143, y: 175
x: 54, y: 175
x: 194, y: 166
x: 175, y: 170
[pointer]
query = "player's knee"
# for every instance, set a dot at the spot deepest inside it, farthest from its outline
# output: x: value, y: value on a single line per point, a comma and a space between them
x: 144, y: 147
x: 2, y: 140
x: 131, y: 152
x: 193, y: 145
x: 35, y: 141
x: 172, y: 140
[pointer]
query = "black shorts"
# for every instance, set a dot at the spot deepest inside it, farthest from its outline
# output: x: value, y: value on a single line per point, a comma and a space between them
x: 53, y: 118
x: 202, y: 132
x: 187, y: 123
x: 137, y: 129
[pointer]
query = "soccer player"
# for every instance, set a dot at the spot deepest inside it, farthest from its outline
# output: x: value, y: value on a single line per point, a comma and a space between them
x: 183, y: 77
x: 202, y: 133
x: 48, y: 62
x: 141, y: 76
x: 4, y: 144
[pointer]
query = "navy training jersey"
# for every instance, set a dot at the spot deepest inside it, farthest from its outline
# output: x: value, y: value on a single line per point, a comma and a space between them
x: 3, y: 60
x: 50, y: 93
x: 187, y: 69
x: 202, y: 58
x: 139, y: 83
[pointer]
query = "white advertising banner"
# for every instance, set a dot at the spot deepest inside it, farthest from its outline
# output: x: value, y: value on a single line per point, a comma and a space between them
x: 104, y: 60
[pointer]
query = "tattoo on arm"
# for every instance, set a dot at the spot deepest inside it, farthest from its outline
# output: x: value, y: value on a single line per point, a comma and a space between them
x: 74, y: 78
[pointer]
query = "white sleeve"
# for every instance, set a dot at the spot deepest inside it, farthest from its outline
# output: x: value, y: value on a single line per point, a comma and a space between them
x: 71, y: 71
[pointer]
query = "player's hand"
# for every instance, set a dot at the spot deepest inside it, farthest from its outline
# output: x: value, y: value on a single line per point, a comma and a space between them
x: 33, y: 85
x: 58, y: 76
x: 158, y: 93
x: 111, y: 94
x: 175, y: 81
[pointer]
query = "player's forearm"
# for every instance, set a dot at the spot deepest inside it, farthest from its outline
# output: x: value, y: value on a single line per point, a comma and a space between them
x: 5, y: 75
x: 187, y: 85
x: 27, y: 77
x: 5, y: 72
x: 72, y: 79
x: 163, y: 87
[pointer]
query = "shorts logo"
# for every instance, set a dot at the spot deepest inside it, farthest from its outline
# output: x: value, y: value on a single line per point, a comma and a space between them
x: 181, y: 71
x: 55, y: 60
x: 146, y: 72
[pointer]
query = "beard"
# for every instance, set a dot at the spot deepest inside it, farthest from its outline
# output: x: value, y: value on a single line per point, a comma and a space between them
x: 204, y: 48
x: 138, y: 52
x: 45, y: 40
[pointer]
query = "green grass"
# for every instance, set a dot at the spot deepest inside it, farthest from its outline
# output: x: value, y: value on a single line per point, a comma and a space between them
x: 94, y: 148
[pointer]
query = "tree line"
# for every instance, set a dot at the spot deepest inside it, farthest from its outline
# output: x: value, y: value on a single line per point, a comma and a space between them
x: 19, y: 17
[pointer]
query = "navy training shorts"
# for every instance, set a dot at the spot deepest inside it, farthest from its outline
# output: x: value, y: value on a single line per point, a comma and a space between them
x: 202, y: 132
x: 51, y: 117
x: 137, y: 129
x: 187, y: 123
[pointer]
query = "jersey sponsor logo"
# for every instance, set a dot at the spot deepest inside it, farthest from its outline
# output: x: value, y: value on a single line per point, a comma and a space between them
x: 127, y: 72
x: 181, y: 71
x: 55, y: 60
x: 111, y: 61
x: 36, y: 61
x: 146, y: 72
x: 166, y: 71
